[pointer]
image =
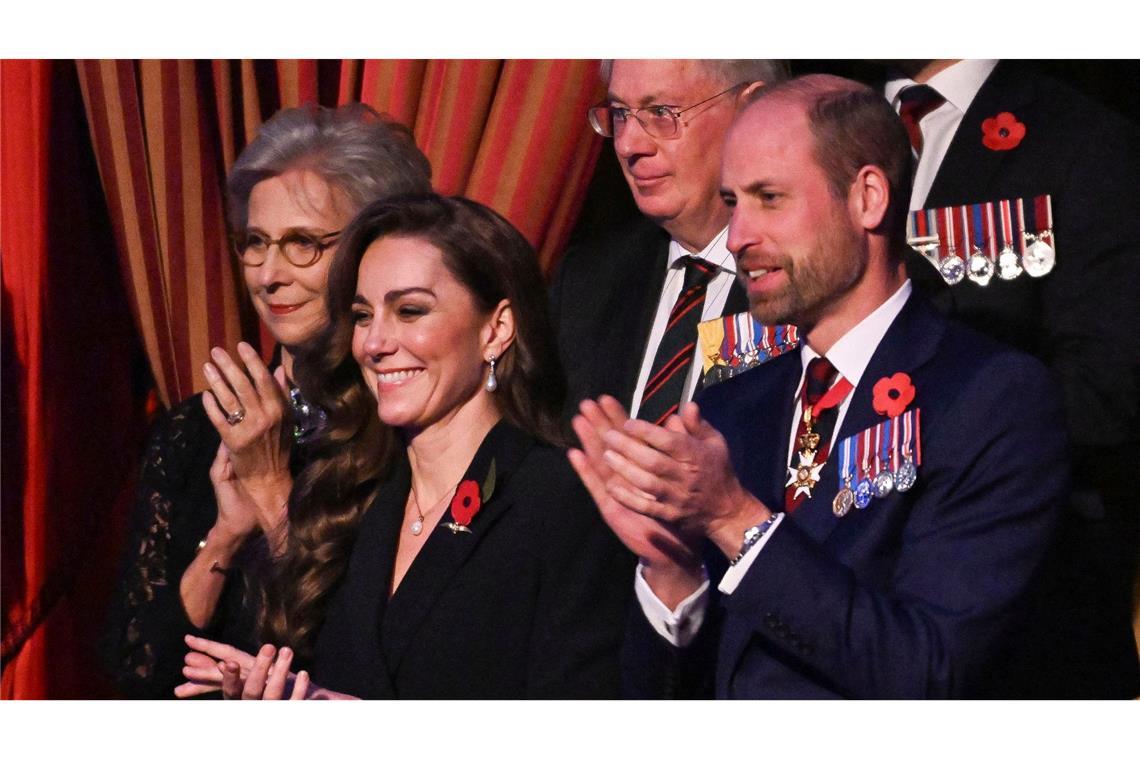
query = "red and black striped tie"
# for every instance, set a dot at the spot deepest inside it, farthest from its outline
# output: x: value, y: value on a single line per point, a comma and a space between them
x: 915, y: 102
x: 666, y: 384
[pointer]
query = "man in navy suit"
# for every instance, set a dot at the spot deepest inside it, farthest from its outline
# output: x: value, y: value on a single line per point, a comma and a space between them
x: 911, y: 593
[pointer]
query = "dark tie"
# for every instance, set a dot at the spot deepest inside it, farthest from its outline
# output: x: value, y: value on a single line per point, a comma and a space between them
x: 915, y: 102
x: 820, y: 376
x: 666, y: 383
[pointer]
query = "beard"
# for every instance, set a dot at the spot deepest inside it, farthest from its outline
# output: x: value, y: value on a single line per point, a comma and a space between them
x: 829, y: 267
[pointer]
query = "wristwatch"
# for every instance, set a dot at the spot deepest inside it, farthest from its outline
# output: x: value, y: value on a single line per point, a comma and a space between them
x: 752, y: 535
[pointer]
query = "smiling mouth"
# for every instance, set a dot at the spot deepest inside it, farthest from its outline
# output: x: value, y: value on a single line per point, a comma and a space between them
x: 279, y: 309
x: 399, y: 376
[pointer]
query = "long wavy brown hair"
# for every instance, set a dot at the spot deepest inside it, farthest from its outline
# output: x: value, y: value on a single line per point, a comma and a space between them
x: 351, y: 456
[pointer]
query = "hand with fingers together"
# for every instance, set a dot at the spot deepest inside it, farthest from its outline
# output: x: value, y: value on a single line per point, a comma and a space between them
x: 213, y: 666
x: 671, y: 559
x: 247, y: 406
x: 679, y: 474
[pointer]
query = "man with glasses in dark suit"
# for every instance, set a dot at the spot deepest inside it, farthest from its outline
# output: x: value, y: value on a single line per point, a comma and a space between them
x: 627, y: 301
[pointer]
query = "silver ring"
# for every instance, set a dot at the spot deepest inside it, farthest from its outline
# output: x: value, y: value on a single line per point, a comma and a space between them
x: 234, y: 418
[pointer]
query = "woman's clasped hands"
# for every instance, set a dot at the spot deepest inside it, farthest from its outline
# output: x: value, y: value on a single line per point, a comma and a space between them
x: 214, y: 666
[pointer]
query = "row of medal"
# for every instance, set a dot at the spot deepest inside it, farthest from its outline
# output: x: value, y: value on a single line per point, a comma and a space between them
x: 877, y: 461
x: 979, y: 240
x: 738, y: 342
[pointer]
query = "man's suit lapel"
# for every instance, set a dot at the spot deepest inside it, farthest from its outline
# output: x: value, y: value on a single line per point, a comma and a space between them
x: 650, y: 265
x: 966, y: 172
x: 737, y: 299
x: 445, y: 551
x: 909, y: 343
x: 755, y: 416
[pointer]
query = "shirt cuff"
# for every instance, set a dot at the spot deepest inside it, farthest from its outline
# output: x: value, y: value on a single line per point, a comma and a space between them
x: 735, y: 574
x: 679, y: 626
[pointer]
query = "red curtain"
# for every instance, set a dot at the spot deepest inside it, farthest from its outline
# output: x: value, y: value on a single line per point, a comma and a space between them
x: 511, y: 134
x: 71, y: 430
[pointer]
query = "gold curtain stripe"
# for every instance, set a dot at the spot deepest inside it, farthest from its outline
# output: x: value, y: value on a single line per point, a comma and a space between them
x: 194, y: 217
x: 224, y: 89
x: 131, y: 232
x: 288, y: 83
x: 515, y: 113
x: 250, y: 101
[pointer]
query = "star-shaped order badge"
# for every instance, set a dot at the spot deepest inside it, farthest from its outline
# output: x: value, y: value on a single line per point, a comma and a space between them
x: 805, y: 475
x: 468, y: 500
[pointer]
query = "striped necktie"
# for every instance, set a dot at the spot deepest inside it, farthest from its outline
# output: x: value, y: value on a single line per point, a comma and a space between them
x: 915, y: 102
x: 666, y: 385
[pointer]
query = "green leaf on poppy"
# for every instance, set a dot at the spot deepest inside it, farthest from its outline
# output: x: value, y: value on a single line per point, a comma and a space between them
x: 489, y: 483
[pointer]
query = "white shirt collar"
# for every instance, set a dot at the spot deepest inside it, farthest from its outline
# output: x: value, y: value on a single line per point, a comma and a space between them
x: 852, y: 353
x: 958, y: 84
x: 716, y: 252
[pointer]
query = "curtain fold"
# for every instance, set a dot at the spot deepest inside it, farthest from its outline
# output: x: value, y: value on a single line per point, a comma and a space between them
x: 72, y: 416
x: 511, y: 134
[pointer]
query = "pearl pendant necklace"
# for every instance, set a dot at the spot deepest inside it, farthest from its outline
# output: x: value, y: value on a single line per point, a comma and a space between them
x: 417, y: 526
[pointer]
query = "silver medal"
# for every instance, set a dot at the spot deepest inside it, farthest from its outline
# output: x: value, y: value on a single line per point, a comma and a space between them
x: 953, y: 270
x: 864, y: 492
x: 981, y: 269
x: 1039, y: 258
x: 1009, y: 267
x: 883, y: 484
x: 906, y: 476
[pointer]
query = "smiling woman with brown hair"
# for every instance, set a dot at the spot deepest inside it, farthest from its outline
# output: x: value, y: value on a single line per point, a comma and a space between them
x: 440, y: 545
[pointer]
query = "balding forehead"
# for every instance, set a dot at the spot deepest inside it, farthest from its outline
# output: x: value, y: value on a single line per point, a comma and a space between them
x: 643, y: 82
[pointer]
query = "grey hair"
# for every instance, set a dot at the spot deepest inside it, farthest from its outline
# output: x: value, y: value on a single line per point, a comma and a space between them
x: 728, y: 71
x: 364, y: 155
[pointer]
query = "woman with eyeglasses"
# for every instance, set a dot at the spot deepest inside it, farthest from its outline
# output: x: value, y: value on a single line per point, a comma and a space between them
x: 290, y: 193
x: 439, y: 545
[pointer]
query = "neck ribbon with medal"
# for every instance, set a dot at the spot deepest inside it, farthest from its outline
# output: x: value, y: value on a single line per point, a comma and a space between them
x: 805, y: 475
x: 962, y: 242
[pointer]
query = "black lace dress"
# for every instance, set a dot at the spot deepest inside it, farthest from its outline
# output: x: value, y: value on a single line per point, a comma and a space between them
x: 142, y: 645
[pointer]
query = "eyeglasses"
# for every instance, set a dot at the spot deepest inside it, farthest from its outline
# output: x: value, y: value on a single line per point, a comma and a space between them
x: 301, y: 249
x: 660, y: 121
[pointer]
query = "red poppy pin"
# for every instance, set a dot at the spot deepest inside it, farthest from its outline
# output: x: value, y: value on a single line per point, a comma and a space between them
x: 468, y: 500
x: 893, y: 394
x: 1002, y: 132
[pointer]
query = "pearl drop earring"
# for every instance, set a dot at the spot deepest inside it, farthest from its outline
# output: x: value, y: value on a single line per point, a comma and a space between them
x: 492, y: 382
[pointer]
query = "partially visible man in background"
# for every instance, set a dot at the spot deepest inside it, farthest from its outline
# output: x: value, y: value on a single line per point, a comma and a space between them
x: 627, y: 301
x: 984, y: 132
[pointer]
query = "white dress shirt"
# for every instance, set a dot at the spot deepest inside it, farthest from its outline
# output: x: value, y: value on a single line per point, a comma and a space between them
x: 716, y: 253
x: 958, y: 84
x: 850, y: 356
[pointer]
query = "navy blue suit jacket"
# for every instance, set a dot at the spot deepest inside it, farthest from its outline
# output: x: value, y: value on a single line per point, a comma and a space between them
x: 912, y: 597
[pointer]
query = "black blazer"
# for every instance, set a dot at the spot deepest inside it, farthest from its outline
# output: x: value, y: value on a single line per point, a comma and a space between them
x: 531, y: 603
x: 1083, y: 321
x: 603, y: 299
x: 914, y: 596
